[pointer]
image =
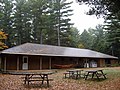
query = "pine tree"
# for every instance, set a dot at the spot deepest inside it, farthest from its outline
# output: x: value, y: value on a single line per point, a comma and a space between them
x: 6, y: 19
x: 39, y: 17
x: 113, y: 30
x: 62, y: 11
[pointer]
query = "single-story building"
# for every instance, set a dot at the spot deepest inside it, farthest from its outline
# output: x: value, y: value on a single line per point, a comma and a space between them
x: 31, y: 56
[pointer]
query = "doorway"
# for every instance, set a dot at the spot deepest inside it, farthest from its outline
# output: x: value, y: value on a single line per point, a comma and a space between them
x: 25, y: 63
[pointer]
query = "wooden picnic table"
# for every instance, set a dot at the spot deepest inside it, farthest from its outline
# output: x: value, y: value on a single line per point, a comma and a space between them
x: 29, y: 76
x: 97, y: 73
x: 74, y: 73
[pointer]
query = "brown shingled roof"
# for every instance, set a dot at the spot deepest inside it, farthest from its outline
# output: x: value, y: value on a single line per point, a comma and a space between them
x: 49, y: 50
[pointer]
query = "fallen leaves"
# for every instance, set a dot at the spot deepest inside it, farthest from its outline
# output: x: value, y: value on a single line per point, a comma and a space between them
x: 14, y: 82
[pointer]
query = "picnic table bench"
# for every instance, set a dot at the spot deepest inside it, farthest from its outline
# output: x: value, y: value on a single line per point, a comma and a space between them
x: 75, y: 73
x: 97, y: 73
x: 31, y: 77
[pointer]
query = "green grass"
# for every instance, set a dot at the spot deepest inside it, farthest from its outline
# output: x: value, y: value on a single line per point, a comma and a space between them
x: 112, y: 73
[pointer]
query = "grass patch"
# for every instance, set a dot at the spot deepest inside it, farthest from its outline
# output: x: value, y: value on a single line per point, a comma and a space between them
x: 112, y: 73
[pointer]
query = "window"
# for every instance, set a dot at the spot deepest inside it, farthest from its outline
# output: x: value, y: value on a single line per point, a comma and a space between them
x: 25, y: 59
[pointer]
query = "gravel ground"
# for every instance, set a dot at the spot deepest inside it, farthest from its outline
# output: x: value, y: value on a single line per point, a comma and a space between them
x: 15, y: 82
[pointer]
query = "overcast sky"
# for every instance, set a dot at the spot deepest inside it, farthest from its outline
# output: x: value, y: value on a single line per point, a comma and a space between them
x: 80, y: 19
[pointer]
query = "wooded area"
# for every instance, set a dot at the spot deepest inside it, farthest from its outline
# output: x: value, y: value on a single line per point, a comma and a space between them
x: 108, y: 9
x: 48, y: 22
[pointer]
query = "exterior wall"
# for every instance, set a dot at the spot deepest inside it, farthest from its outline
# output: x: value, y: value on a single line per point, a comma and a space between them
x: 79, y: 62
x: 63, y: 61
x: 20, y: 62
x: 55, y: 60
x: 11, y: 62
x: 114, y: 62
x: 33, y: 63
x: 45, y: 62
x: 101, y: 63
x: 110, y: 62
x: 2, y: 63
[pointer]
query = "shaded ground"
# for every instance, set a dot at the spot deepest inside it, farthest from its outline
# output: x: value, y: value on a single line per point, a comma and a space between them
x: 14, y: 82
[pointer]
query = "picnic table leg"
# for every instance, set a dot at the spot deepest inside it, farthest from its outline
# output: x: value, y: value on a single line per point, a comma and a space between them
x: 93, y: 75
x: 77, y: 75
x: 42, y: 78
x: 103, y: 74
x: 45, y: 77
x: 26, y: 79
x: 80, y: 73
x: 97, y: 76
x: 47, y: 80
x: 86, y: 76
x: 71, y: 74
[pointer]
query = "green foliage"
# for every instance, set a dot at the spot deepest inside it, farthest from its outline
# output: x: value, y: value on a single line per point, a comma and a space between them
x: 86, y: 39
x: 109, y: 9
x: 72, y: 38
x: 102, y: 7
x: 48, y: 22
x: 95, y: 39
x: 61, y: 10
x: 38, y: 21
x: 113, y: 30
x: 6, y: 20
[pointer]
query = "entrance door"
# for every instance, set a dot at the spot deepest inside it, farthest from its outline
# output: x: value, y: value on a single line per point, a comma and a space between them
x: 25, y: 63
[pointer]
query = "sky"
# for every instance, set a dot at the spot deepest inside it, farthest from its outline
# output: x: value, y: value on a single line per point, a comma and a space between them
x: 81, y: 20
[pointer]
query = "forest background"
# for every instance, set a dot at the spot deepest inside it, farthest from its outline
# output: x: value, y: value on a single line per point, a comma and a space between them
x: 48, y: 22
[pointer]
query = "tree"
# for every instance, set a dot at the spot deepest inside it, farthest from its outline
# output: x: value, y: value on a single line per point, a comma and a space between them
x: 86, y: 39
x: 109, y: 9
x: 113, y: 30
x: 99, y: 39
x: 22, y: 26
x: 38, y: 21
x: 102, y: 7
x: 72, y: 38
x: 6, y: 19
x: 3, y: 37
x: 61, y: 10
x: 39, y: 11
x: 94, y: 39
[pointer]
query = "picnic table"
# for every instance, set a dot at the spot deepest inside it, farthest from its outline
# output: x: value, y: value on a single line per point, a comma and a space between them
x: 74, y: 73
x: 31, y: 76
x: 97, y: 73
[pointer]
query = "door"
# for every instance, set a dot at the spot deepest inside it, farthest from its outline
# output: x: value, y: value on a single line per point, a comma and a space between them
x: 25, y: 63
